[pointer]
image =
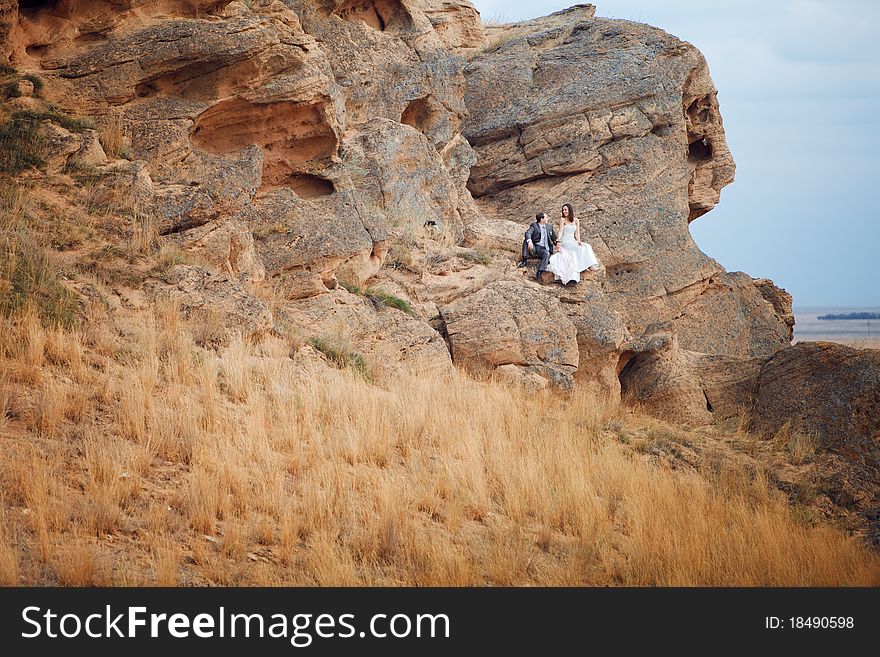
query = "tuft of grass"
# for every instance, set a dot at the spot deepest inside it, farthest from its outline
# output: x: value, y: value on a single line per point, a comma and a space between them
x: 801, y: 447
x: 112, y: 137
x: 380, y: 297
x: 341, y: 358
x: 72, y: 123
x: 36, y: 81
x: 265, y: 232
x: 21, y: 146
x: 6, y: 69
x: 476, y: 256
x: 30, y: 282
x: 391, y: 301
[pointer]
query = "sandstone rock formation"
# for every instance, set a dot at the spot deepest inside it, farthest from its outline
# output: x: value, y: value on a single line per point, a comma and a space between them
x: 821, y: 389
x: 513, y: 323
x: 621, y: 119
x: 829, y: 390
x: 199, y: 290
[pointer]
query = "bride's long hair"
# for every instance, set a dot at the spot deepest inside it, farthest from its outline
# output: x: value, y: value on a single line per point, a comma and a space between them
x: 570, y: 218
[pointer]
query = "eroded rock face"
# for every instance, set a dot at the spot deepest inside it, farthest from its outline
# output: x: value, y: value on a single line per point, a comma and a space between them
x: 457, y: 24
x: 620, y: 119
x: 226, y: 245
x: 819, y: 388
x: 8, y: 19
x: 689, y: 387
x: 305, y: 241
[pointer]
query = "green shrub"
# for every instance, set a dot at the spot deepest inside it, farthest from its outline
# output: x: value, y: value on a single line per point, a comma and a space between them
x: 477, y: 256
x: 391, y: 301
x: 20, y: 145
x: 380, y: 297
x: 341, y: 358
x: 29, y: 281
x: 36, y: 81
x: 6, y: 69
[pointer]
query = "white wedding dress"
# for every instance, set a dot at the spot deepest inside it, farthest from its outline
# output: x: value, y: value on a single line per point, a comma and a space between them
x: 571, y: 258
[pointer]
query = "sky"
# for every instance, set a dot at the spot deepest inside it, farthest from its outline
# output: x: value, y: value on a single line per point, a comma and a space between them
x: 799, y: 89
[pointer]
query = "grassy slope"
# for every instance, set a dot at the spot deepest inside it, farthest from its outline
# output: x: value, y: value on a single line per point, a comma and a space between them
x: 131, y: 456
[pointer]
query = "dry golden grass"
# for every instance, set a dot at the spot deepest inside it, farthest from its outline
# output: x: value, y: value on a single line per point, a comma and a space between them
x: 112, y: 136
x: 8, y: 551
x: 183, y: 465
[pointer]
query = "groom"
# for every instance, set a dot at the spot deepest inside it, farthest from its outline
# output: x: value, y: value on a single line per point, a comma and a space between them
x: 540, y: 238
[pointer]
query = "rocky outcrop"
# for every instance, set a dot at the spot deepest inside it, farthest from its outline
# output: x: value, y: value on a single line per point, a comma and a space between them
x: 689, y: 387
x: 821, y: 389
x: 620, y: 119
x: 825, y: 389
x: 388, y: 339
x: 204, y: 293
x: 513, y: 323
x: 457, y: 23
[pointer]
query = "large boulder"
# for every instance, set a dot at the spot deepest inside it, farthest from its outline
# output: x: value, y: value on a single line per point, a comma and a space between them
x: 826, y: 389
x: 225, y: 245
x: 822, y: 389
x: 513, y: 323
x: 689, y: 387
x: 200, y: 293
x: 388, y: 339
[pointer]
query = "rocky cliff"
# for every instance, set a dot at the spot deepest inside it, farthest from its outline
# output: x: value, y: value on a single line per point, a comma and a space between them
x: 375, y: 162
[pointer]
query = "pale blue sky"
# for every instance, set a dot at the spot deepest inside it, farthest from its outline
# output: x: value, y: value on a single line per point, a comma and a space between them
x: 799, y: 87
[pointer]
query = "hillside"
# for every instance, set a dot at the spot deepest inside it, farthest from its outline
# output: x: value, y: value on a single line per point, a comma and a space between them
x: 262, y: 322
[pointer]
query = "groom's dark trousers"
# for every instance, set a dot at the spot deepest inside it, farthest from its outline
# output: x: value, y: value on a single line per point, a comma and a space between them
x: 540, y: 252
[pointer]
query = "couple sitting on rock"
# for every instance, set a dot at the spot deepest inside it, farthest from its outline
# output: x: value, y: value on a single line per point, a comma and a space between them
x: 573, y: 256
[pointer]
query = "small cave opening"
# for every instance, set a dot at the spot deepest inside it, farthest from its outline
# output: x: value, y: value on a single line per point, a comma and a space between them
x: 423, y: 114
x: 37, y: 50
x: 625, y: 364
x: 381, y: 15
x: 308, y: 186
x: 33, y: 6
x: 700, y: 150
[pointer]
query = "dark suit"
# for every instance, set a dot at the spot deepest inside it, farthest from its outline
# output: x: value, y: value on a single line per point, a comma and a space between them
x: 533, y: 234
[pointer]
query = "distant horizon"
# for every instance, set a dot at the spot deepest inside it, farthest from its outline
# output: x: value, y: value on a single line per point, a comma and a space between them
x: 797, y: 308
x: 799, y: 89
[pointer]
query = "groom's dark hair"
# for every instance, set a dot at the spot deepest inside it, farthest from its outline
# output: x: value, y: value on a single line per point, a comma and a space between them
x: 539, y: 216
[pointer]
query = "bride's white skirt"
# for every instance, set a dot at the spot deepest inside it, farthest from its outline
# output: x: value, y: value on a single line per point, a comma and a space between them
x: 570, y: 260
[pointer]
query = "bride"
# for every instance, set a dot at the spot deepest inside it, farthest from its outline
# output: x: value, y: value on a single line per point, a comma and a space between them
x: 573, y: 256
